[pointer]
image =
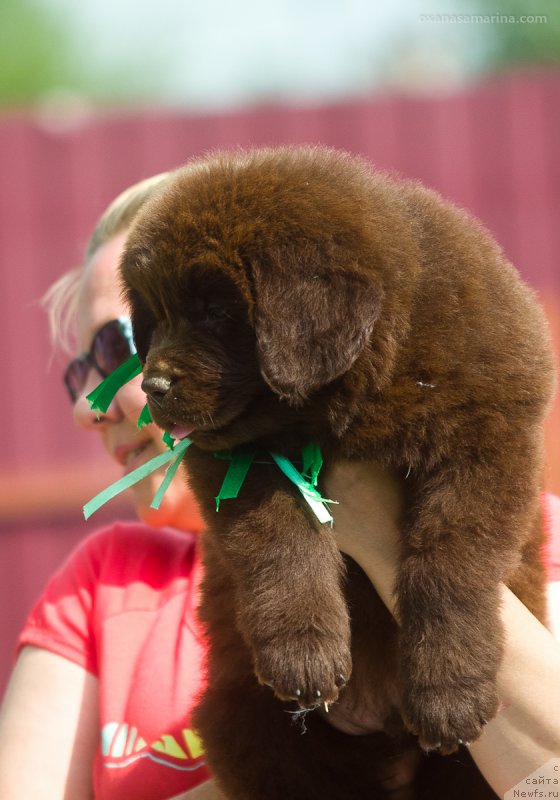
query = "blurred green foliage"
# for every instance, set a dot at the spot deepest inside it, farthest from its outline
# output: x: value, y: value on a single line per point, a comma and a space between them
x: 41, y: 57
x: 522, y: 42
x: 35, y: 51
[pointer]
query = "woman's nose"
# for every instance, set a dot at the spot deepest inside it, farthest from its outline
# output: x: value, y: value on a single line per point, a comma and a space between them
x: 84, y: 416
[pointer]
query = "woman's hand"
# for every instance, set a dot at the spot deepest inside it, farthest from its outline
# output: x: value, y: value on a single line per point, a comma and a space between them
x: 526, y: 732
x: 366, y: 519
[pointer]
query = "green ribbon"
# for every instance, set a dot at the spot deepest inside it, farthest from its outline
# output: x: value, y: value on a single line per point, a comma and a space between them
x: 169, y: 440
x: 241, y: 460
x: 101, y: 397
x: 307, y: 489
x: 145, y: 417
x: 180, y: 451
x: 137, y: 475
x: 312, y: 462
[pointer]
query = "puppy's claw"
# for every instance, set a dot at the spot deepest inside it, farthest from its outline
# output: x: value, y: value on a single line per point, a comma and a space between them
x: 428, y: 747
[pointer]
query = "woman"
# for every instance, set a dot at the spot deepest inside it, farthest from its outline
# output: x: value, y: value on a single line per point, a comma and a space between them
x: 110, y: 660
x: 112, y: 650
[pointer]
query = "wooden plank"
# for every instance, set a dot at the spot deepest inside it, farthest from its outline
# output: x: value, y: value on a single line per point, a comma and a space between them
x: 61, y: 490
x: 527, y: 146
x: 494, y: 184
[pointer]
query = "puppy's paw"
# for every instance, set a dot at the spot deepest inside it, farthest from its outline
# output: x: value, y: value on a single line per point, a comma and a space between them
x: 310, y: 670
x: 443, y: 717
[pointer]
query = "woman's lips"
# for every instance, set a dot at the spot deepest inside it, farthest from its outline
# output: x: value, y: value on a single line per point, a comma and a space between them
x: 131, y: 455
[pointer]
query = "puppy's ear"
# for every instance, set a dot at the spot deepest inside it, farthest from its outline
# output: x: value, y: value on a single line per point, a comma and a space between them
x: 310, y: 325
x: 142, y: 319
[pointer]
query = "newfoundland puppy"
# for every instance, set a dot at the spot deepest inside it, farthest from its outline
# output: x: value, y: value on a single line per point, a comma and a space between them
x: 282, y: 297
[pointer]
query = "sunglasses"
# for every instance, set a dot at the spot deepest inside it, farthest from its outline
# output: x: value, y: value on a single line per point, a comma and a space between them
x: 111, y: 346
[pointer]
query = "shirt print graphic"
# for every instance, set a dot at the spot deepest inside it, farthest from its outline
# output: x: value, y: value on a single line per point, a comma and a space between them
x: 122, y: 745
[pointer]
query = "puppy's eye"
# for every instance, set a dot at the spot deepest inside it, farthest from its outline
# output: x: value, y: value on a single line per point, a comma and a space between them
x: 217, y: 313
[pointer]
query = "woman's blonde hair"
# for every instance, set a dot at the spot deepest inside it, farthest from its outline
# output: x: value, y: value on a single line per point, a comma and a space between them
x: 60, y: 300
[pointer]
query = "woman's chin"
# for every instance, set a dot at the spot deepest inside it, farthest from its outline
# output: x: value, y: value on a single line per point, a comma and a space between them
x: 178, y: 509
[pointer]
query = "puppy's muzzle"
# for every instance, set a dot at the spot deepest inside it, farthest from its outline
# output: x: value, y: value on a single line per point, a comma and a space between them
x: 157, y: 387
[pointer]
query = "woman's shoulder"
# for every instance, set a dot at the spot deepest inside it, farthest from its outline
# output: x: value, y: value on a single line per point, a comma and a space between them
x: 119, y: 569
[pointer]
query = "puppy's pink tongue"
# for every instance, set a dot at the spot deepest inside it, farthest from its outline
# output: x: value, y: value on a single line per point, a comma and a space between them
x: 181, y: 431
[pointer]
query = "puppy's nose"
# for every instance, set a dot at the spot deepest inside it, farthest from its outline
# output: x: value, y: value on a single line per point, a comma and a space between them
x: 156, y: 387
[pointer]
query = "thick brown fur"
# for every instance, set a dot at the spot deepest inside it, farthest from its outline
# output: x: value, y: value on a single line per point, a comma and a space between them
x: 285, y: 295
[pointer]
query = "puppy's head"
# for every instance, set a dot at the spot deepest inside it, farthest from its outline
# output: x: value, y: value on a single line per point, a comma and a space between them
x: 249, y: 282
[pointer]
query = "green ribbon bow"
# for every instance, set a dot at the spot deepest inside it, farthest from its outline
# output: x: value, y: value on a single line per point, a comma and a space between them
x: 306, y: 481
x: 241, y: 458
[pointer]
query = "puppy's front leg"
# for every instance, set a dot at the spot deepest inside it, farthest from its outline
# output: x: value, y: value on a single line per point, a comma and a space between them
x: 290, y: 607
x: 460, y: 542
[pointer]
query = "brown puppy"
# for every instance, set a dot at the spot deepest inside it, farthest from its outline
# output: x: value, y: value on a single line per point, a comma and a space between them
x: 282, y: 296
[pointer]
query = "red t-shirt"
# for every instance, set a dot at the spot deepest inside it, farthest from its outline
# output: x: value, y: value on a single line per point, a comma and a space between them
x: 552, y: 516
x: 123, y: 607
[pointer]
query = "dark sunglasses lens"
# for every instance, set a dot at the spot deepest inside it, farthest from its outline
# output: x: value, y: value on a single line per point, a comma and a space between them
x: 110, y: 347
x: 75, y: 377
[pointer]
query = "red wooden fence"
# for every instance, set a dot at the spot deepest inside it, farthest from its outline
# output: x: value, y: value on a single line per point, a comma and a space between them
x: 492, y: 148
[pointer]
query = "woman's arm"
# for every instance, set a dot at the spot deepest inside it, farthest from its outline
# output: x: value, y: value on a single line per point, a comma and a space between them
x: 526, y: 732
x: 205, y: 791
x: 49, y: 729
